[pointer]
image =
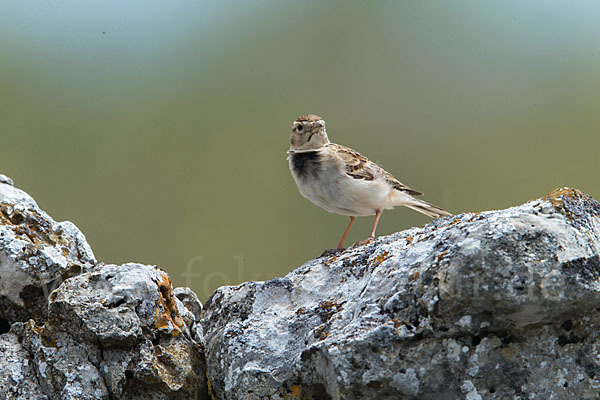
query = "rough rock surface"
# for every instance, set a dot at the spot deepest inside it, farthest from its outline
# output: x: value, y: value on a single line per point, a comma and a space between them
x: 494, y: 305
x: 104, y: 332
x: 36, y: 255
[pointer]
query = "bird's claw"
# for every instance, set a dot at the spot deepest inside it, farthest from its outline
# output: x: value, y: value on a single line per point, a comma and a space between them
x: 363, y: 242
x: 332, y: 252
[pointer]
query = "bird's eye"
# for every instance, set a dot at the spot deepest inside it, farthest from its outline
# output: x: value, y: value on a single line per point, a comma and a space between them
x: 299, y: 128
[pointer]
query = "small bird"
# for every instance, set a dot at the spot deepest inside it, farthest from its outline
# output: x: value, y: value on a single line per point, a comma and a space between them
x: 342, y: 181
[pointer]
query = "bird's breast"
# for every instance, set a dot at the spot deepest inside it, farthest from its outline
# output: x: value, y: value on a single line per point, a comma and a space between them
x: 305, y: 164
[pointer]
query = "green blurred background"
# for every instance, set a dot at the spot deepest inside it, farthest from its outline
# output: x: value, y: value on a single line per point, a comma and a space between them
x: 160, y: 128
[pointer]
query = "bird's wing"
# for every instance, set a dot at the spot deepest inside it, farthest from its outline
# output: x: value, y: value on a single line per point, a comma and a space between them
x: 356, y: 165
x: 360, y: 167
x: 396, y: 184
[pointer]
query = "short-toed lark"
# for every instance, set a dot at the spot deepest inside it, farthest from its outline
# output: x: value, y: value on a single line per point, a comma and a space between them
x: 343, y: 181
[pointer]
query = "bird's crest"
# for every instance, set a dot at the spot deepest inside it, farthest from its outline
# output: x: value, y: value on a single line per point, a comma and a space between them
x: 308, y: 118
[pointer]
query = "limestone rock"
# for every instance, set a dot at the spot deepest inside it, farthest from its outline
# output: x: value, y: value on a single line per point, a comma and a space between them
x: 18, y: 378
x: 114, y: 332
x: 36, y: 255
x: 6, y: 180
x: 191, y: 303
x: 495, y: 305
x: 96, y: 331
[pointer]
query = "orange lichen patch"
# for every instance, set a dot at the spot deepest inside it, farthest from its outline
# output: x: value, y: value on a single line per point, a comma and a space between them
x: 379, y: 258
x: 31, y: 225
x: 329, y: 305
x: 440, y: 256
x: 326, y: 309
x: 475, y: 217
x: 210, y: 389
x: 296, y: 391
x: 558, y: 196
x: 331, y: 258
x: 301, y: 310
x: 454, y: 221
x: 321, y: 333
x: 409, y: 239
x: 414, y: 276
x: 166, y: 315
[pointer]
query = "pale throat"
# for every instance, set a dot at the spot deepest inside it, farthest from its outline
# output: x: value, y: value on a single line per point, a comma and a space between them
x: 317, y: 141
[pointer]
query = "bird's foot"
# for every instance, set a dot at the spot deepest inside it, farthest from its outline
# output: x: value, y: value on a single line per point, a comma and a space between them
x: 332, y: 252
x: 363, y: 242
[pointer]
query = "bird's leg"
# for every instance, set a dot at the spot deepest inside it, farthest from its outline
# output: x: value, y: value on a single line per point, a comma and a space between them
x: 377, y: 216
x: 341, y: 243
x: 372, y: 235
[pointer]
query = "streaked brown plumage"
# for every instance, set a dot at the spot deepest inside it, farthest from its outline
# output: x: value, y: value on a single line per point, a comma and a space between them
x: 343, y: 181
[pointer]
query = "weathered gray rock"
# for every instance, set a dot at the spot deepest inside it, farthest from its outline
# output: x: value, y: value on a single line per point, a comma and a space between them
x: 105, y: 332
x: 494, y: 305
x: 5, y: 179
x: 112, y: 332
x: 131, y: 307
x: 191, y: 303
x: 18, y: 379
x: 36, y: 255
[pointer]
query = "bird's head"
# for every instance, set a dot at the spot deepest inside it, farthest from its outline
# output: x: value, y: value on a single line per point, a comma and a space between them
x: 308, y: 133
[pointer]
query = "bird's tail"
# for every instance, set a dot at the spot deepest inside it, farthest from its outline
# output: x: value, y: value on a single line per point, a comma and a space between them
x: 426, y: 208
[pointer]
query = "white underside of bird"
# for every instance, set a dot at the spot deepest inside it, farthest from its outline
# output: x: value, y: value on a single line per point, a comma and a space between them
x: 326, y: 183
x: 342, y: 181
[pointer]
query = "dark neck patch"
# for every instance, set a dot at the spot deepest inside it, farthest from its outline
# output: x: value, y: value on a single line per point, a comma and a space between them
x: 306, y: 163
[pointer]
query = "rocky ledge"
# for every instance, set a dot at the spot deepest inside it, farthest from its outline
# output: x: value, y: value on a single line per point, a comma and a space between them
x: 74, y: 328
x: 493, y: 305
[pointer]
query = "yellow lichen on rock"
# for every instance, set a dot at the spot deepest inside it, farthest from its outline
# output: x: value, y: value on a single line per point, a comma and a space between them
x: 166, y: 314
x: 29, y: 225
x: 296, y: 391
x: 209, y: 387
x: 378, y: 259
x: 556, y: 197
x: 563, y: 199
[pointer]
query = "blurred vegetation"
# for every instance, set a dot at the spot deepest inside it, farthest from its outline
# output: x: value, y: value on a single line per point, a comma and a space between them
x: 160, y: 129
